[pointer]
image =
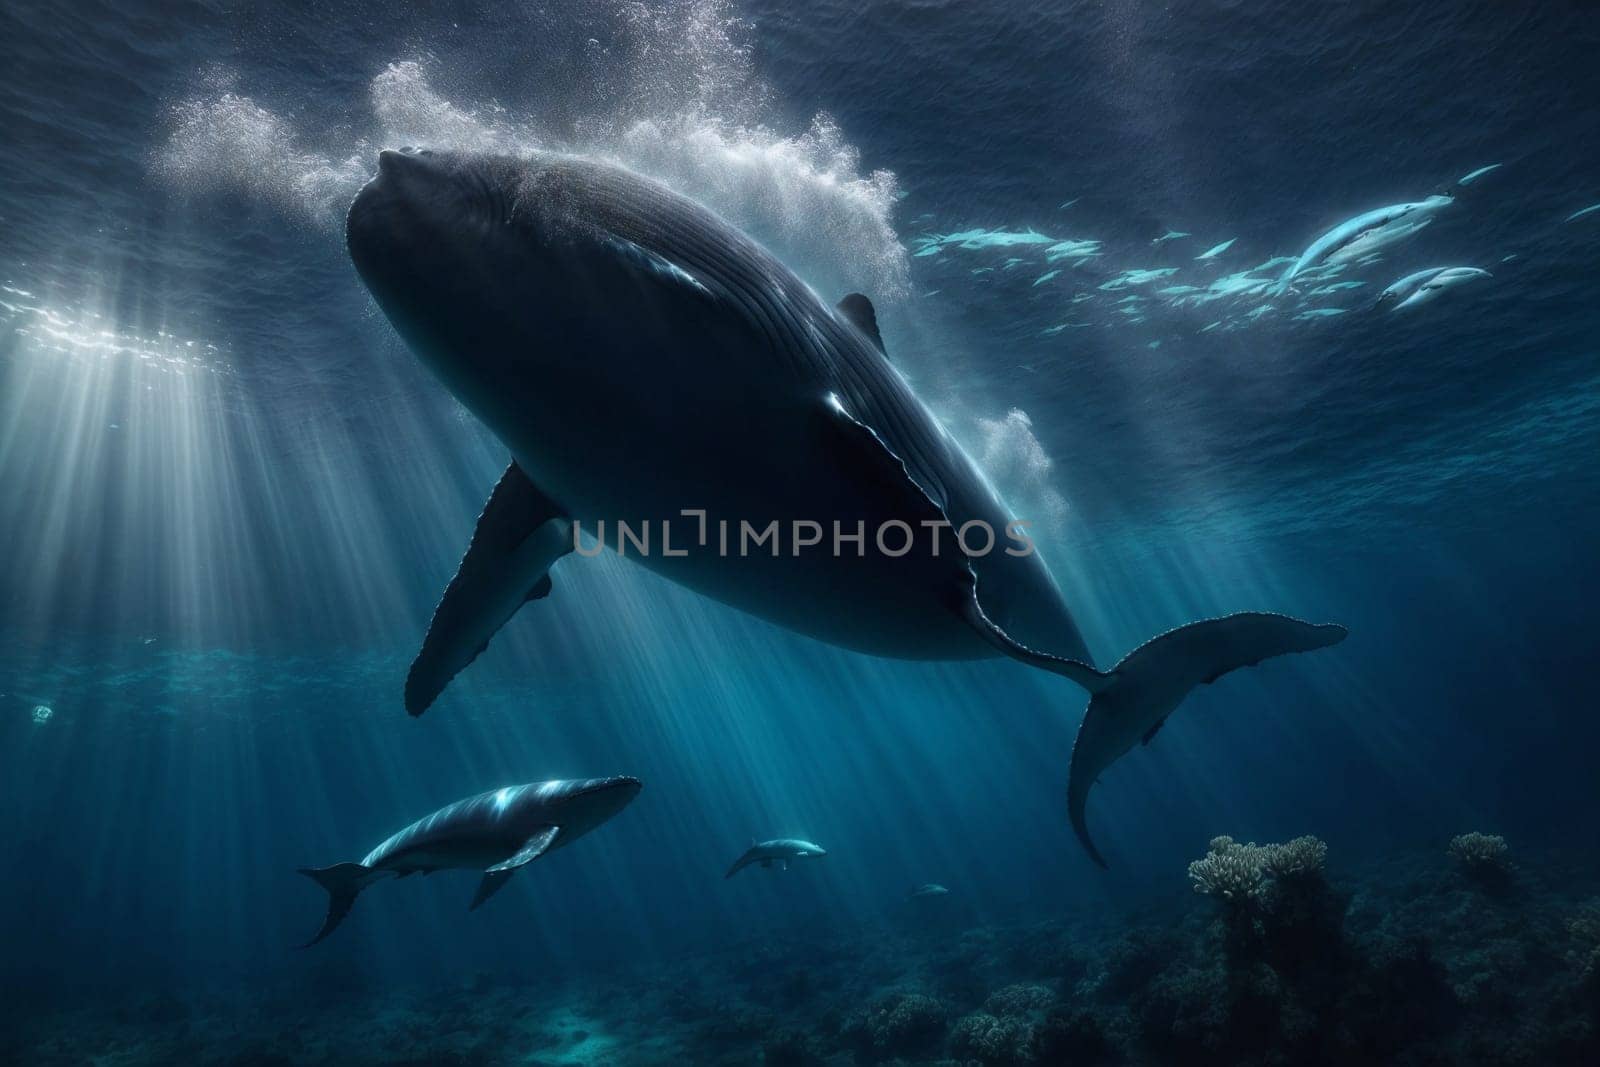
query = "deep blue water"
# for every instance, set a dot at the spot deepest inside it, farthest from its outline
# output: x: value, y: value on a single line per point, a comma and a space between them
x: 231, y: 497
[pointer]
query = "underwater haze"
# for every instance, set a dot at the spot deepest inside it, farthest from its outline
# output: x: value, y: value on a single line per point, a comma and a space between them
x: 1110, y: 246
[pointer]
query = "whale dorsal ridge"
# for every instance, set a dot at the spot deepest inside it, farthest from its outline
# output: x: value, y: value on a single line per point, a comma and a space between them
x: 858, y: 311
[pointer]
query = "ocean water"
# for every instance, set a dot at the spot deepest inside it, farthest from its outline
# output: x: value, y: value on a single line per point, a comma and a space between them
x: 230, y: 497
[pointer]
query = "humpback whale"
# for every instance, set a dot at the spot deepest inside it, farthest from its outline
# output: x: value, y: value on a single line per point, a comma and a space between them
x: 644, y: 361
x: 780, y: 850
x: 497, y: 832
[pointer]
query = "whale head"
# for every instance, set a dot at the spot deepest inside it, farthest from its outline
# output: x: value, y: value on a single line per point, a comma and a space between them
x: 580, y: 806
x: 495, y: 268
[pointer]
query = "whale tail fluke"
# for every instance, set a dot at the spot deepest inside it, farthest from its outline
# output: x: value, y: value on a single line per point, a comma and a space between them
x: 342, y: 881
x: 1155, y: 678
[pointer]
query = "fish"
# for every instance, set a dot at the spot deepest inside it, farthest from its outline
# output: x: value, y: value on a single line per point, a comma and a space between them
x: 1216, y: 250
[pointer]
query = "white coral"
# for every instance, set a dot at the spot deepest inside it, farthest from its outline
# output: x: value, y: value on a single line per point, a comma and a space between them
x: 1231, y: 871
x: 1300, y: 858
x: 1480, y: 852
x: 1239, y: 873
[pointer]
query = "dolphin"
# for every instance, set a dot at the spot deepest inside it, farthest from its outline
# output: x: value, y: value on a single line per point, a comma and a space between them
x: 923, y: 892
x: 645, y: 362
x: 1366, y: 231
x: 496, y: 832
x: 782, y: 849
x: 1216, y: 250
x: 1402, y: 288
x: 1430, y: 287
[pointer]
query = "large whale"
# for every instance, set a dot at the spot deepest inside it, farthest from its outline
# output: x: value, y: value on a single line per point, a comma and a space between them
x: 642, y: 360
x: 497, y: 832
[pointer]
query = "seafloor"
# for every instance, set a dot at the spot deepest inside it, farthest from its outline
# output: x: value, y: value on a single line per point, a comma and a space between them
x: 1423, y: 959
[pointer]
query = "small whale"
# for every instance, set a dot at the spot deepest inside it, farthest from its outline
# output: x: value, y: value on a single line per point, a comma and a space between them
x: 781, y: 850
x: 495, y: 832
x: 1360, y: 228
x: 923, y: 892
x: 1439, y: 282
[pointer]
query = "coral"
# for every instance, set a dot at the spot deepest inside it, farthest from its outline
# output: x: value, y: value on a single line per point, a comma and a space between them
x: 899, y: 1025
x: 989, y: 1040
x: 1020, y: 999
x: 1069, y: 1037
x: 788, y: 1047
x: 1479, y: 853
x: 1584, y: 929
x: 1301, y: 858
x: 1131, y: 962
x: 1230, y: 871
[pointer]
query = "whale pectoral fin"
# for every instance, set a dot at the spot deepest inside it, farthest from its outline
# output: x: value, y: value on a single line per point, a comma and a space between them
x: 519, y: 536
x: 501, y: 873
x: 786, y: 865
x: 858, y: 311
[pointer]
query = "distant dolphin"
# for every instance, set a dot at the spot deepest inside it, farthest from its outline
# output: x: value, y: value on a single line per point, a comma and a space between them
x: 1438, y: 282
x: 496, y: 832
x: 1361, y: 227
x: 1363, y: 248
x: 780, y: 850
x: 644, y: 361
x: 1402, y: 288
x: 923, y: 892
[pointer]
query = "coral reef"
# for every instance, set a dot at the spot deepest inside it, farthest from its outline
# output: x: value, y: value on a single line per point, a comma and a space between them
x: 1283, y: 963
x: 898, y: 1026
